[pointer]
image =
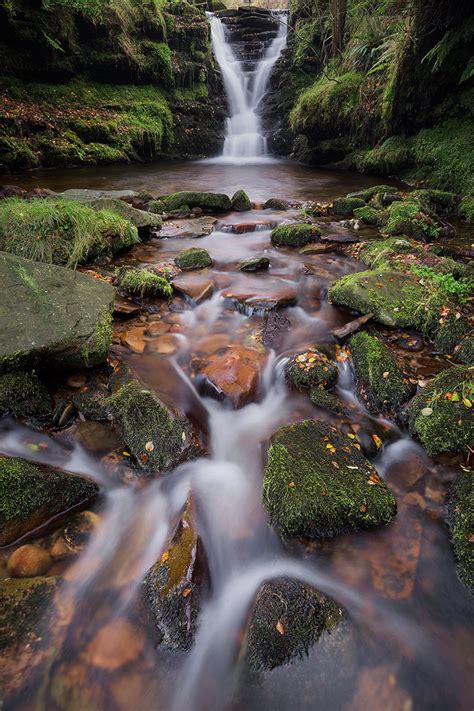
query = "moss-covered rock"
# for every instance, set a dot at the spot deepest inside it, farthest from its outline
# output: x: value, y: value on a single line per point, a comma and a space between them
x: 441, y: 415
x: 294, y: 235
x: 141, y: 282
x: 174, y: 586
x: 437, y: 200
x: 23, y: 395
x: 141, y: 219
x: 345, y: 206
x: 318, y: 484
x: 24, y: 606
x: 311, y: 369
x: 193, y: 258
x: 370, y: 215
x: 254, y: 264
x: 62, y: 318
x: 30, y: 496
x: 380, y: 383
x: 408, y: 218
x: 158, y: 438
x: 208, y: 202
x: 464, y: 351
x: 321, y: 398
x: 241, y: 201
x: 287, y: 619
x: 461, y: 524
x: 276, y: 204
x: 60, y: 231
x: 92, y: 402
x: 369, y: 193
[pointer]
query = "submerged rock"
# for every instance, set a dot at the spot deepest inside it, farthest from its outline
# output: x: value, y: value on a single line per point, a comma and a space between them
x: 157, y: 437
x: 24, y: 608
x: 381, y: 385
x: 174, y: 586
x: 295, y: 235
x: 208, y: 202
x: 233, y: 375
x: 321, y: 398
x: 441, y: 415
x: 62, y: 318
x: 460, y: 520
x: 318, y: 484
x: 194, y: 258
x: 254, y: 264
x: 287, y: 619
x: 30, y: 496
x: 241, y: 201
x: 23, y: 395
x: 311, y: 369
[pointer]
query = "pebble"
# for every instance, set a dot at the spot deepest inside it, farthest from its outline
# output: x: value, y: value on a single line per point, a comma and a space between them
x: 29, y: 561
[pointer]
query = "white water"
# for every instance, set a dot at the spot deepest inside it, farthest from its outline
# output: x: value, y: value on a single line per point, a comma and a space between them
x: 244, y: 141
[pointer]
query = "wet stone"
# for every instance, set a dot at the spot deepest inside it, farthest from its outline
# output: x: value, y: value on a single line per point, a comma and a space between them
x: 29, y: 561
x: 195, y: 288
x: 260, y: 296
x: 233, y: 376
x: 254, y: 264
x: 311, y: 369
x: 274, y: 329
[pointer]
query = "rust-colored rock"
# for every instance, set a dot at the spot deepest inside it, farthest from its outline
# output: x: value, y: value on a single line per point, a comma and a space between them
x: 29, y: 561
x: 194, y: 288
x: 116, y: 644
x: 233, y: 375
x: 259, y: 295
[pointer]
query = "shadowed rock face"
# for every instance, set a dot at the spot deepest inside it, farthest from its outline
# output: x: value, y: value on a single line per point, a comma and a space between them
x: 251, y: 31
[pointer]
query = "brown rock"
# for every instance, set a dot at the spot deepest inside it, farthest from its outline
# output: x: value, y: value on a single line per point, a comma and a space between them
x: 351, y: 327
x: 77, y: 381
x: 124, y: 307
x: 116, y: 644
x: 157, y: 328
x: 29, y: 561
x: 233, y: 375
x: 317, y: 248
x: 258, y: 295
x: 74, y: 536
x: 97, y: 436
x: 194, y: 288
x: 133, y: 339
x: 211, y: 344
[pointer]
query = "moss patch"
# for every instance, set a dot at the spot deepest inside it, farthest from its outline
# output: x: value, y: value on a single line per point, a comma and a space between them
x: 61, y: 232
x: 345, y: 206
x: 327, y: 401
x: 141, y: 282
x: 208, y: 202
x: 461, y: 524
x: 370, y: 215
x: 241, y: 201
x: 24, y: 607
x: 441, y: 416
x: 23, y: 395
x: 30, y: 496
x: 311, y: 369
x: 317, y: 483
x: 407, y: 218
x: 295, y: 235
x: 287, y: 619
x: 194, y: 258
x: 381, y: 384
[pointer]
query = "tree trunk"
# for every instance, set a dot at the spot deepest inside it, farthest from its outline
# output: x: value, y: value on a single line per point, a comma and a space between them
x: 338, y: 11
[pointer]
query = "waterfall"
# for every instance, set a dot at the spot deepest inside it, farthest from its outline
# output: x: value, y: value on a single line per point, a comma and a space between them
x: 245, y: 87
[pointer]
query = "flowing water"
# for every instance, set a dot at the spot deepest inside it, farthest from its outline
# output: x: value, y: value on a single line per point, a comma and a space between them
x: 408, y: 615
x: 245, y: 87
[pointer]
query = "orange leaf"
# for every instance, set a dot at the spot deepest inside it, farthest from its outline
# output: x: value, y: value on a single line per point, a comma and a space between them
x: 280, y: 628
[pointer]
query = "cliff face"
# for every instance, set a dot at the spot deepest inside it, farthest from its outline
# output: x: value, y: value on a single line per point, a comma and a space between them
x: 385, y: 89
x: 97, y: 81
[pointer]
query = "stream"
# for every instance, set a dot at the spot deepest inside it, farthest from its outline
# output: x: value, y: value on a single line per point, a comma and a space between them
x: 407, y: 643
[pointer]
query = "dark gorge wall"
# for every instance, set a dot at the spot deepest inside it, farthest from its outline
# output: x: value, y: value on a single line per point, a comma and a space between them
x: 98, y: 81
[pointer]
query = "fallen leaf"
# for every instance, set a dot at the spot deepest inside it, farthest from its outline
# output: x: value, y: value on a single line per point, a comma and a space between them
x: 280, y: 628
x: 149, y: 446
x: 186, y: 592
x: 164, y: 557
x: 427, y: 411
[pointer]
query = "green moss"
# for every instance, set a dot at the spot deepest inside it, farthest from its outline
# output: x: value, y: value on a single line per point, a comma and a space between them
x: 327, y: 107
x: 311, y: 369
x: 444, y: 424
x: 254, y: 264
x: 369, y: 193
x: 393, y: 157
x: 16, y: 153
x: 193, y: 258
x: 63, y: 232
x: 318, y: 484
x: 30, y: 496
x: 23, y: 395
x: 156, y: 206
x: 141, y: 418
x: 464, y: 351
x: 370, y: 215
x: 275, y: 204
x: 381, y: 384
x: 461, y: 524
x: 346, y: 206
x: 24, y: 609
x: 321, y: 398
x: 92, y: 403
x: 466, y: 209
x: 141, y: 282
x: 300, y: 611
x: 437, y: 200
x: 241, y: 201
x: 407, y: 218
x: 295, y: 235
x: 209, y: 202
x: 97, y: 346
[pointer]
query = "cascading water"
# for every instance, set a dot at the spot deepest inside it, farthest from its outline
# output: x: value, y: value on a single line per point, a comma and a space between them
x: 245, y: 87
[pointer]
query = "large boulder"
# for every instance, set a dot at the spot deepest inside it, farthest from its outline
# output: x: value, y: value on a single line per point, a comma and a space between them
x: 460, y: 520
x: 140, y: 218
x: 441, y: 415
x: 295, y: 235
x: 52, y: 317
x: 208, y: 202
x: 288, y: 617
x: 30, y: 496
x: 381, y: 384
x: 318, y: 484
x: 23, y: 395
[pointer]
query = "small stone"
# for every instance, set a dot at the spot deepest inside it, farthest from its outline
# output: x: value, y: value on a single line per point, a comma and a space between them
x: 77, y: 381
x: 29, y: 561
x: 254, y: 264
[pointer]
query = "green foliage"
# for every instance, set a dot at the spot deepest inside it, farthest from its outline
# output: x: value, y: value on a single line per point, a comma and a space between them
x: 61, y: 232
x: 466, y: 209
x: 141, y: 282
x: 16, y: 152
x: 461, y: 289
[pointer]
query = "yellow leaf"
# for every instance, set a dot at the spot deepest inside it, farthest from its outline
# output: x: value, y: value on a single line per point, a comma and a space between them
x: 164, y: 557
x: 149, y: 446
x: 467, y: 402
x: 186, y: 592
